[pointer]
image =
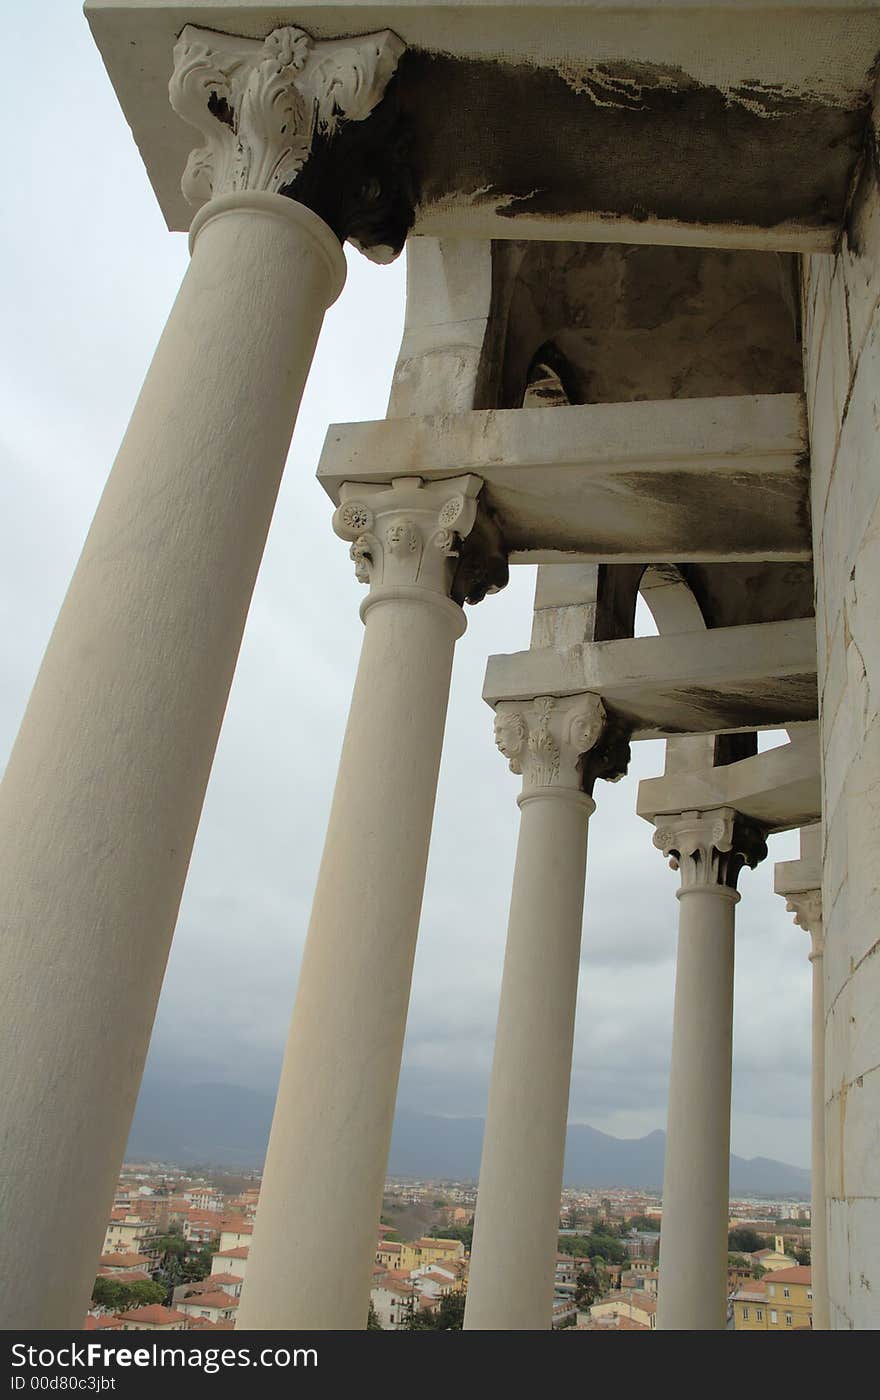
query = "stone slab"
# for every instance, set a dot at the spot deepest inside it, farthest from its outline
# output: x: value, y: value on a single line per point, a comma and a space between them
x: 723, y: 680
x: 690, y: 480
x: 779, y: 789
x: 724, y: 124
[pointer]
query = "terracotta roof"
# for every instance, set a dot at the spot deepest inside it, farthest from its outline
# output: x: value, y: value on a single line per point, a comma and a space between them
x: 224, y: 1278
x: 154, y: 1314
x: 210, y: 1300
x: 385, y: 1245
x: 801, y: 1273
x: 94, y: 1324
x: 241, y: 1252
x: 123, y: 1261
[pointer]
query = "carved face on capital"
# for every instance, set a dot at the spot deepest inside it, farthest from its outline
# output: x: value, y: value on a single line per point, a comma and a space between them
x: 401, y: 538
x: 510, y: 736
x: 362, y: 558
x: 586, y: 724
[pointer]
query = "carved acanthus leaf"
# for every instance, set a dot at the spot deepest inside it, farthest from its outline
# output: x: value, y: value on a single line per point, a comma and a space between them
x: 260, y: 103
x: 546, y: 738
x: 408, y: 533
x: 709, y: 848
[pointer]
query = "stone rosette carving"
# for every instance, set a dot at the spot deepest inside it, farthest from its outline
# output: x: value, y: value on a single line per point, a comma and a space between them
x: 546, y: 738
x: 709, y: 848
x: 267, y: 107
x: 409, y: 533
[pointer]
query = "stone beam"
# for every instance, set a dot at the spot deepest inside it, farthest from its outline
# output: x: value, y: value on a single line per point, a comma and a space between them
x: 792, y: 877
x: 778, y: 789
x: 571, y: 121
x: 692, y: 480
x: 723, y: 680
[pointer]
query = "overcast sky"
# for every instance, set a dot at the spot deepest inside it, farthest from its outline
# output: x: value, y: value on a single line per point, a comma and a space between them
x: 89, y: 275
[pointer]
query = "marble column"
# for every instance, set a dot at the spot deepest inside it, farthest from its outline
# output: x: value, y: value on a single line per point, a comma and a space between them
x: 710, y: 849
x: 799, y: 883
x: 104, y: 788
x: 325, y: 1170
x: 517, y: 1218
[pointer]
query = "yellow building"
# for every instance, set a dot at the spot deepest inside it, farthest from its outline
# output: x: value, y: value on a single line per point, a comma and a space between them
x: 775, y: 1258
x: 780, y: 1302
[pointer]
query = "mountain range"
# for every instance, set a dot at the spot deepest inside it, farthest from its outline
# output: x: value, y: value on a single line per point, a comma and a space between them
x: 224, y: 1125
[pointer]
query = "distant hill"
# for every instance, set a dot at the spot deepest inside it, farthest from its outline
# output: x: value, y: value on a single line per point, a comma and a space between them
x: 224, y: 1125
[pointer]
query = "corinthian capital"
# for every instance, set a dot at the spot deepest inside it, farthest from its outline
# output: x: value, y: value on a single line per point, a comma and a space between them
x: 709, y: 848
x: 545, y: 739
x: 409, y: 533
x: 268, y: 107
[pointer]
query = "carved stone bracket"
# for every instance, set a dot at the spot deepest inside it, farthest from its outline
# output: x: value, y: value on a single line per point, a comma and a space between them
x: 270, y: 110
x: 806, y: 905
x: 409, y: 533
x: 709, y: 848
x: 546, y: 739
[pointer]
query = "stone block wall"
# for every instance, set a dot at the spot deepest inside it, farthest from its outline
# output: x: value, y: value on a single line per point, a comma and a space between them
x: 841, y: 315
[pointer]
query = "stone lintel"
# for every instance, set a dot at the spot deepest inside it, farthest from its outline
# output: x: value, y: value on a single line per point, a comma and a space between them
x: 778, y: 789
x: 792, y: 877
x: 665, y: 130
x: 720, y: 479
x: 723, y: 680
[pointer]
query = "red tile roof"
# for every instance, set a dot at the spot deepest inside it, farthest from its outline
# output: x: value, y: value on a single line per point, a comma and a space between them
x: 154, y: 1314
x: 210, y: 1300
x: 801, y: 1273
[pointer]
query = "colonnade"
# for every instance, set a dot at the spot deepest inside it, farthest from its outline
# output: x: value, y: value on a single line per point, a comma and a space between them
x: 104, y: 789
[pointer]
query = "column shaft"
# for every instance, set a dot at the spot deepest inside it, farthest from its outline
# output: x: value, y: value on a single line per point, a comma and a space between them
x: 104, y: 787
x: 322, y: 1187
x: 693, y: 1243
x: 517, y: 1219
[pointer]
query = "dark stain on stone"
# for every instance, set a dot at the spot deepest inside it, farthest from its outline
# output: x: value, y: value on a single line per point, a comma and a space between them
x: 220, y: 108
x: 361, y: 181
x: 730, y: 595
x: 864, y: 193
x: 526, y: 141
x: 628, y: 322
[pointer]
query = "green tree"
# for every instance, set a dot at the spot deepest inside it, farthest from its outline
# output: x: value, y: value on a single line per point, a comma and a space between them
x: 448, y: 1317
x: 746, y: 1240
x: 119, y: 1296
x: 586, y: 1289
x: 641, y: 1222
x: 803, y: 1256
x: 596, y: 1245
x: 373, y: 1323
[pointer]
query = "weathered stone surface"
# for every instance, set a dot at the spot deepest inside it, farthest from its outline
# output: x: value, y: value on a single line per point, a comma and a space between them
x: 727, y: 678
x: 664, y: 130
x: 778, y: 789
x: 841, y: 333
x: 690, y: 479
